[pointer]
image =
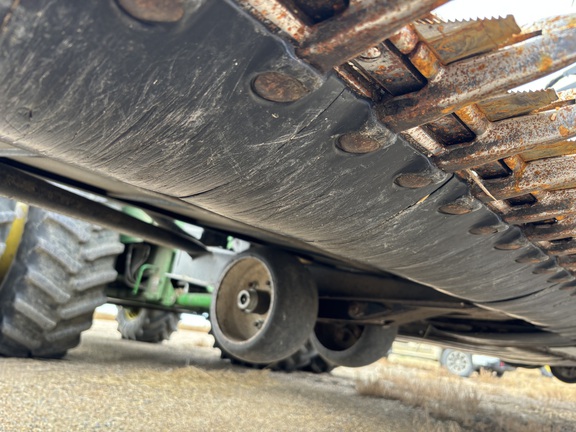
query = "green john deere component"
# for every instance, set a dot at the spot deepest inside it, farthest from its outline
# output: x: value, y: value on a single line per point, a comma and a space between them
x: 157, y: 287
x: 195, y: 300
x: 143, y: 269
x: 136, y: 213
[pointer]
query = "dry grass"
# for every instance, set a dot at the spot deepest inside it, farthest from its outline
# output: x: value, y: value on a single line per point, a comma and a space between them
x: 473, y: 404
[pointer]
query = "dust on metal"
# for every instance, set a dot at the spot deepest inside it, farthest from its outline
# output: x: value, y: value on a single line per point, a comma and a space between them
x: 279, y: 15
x: 472, y: 80
x: 405, y: 40
x: 564, y: 228
x: 513, y: 148
x: 562, y: 148
x: 549, y: 205
x: 562, y: 248
x: 161, y: 11
x: 279, y: 87
x: 391, y: 72
x: 357, y: 82
x: 568, y: 262
x: 514, y: 104
x: 360, y: 27
x: 541, y: 174
x: 452, y: 41
x: 508, y: 137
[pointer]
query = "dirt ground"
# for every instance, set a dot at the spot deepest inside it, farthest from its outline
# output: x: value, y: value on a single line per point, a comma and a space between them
x: 182, y: 385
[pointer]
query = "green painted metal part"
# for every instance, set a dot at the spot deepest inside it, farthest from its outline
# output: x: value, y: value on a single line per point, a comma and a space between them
x: 195, y: 300
x: 152, y: 278
x: 143, y: 268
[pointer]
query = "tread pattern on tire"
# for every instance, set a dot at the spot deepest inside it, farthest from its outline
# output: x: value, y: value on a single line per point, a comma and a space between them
x: 306, y: 359
x: 51, y: 290
x: 152, y: 326
x: 7, y: 216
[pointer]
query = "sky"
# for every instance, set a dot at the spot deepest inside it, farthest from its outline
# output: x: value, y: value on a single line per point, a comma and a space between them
x: 525, y: 12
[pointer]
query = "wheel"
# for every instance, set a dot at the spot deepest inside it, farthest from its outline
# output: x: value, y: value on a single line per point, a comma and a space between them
x: 457, y: 362
x: 352, y: 345
x: 146, y: 325
x: 54, y: 283
x: 264, y: 306
x: 306, y: 359
x: 566, y: 374
x: 7, y: 217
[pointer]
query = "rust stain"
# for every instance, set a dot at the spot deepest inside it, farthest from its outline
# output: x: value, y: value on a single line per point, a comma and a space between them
x: 425, y: 61
x: 279, y: 87
x: 164, y: 11
x: 564, y: 131
x: 545, y: 63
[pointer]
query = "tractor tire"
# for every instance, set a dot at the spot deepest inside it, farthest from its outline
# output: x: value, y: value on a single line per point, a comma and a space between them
x: 54, y: 283
x: 7, y: 216
x: 306, y: 359
x: 146, y: 325
x: 352, y: 345
x: 565, y: 374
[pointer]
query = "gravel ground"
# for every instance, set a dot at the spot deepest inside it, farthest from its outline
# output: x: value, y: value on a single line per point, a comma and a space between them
x: 112, y: 384
x: 183, y: 385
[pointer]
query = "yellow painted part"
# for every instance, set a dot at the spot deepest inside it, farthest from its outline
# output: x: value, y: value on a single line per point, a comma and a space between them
x: 13, y: 239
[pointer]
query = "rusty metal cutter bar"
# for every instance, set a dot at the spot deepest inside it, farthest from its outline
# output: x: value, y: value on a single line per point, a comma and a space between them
x: 445, y: 87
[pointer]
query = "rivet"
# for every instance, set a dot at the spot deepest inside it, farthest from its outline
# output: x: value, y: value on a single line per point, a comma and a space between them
x: 532, y: 258
x: 161, y: 11
x: 279, y: 87
x: 567, y: 286
x: 358, y: 143
x: 488, y: 229
x: 461, y: 206
x: 413, y: 181
x: 545, y: 270
x: 560, y: 279
x: 511, y: 245
x: 371, y: 54
x: 508, y: 246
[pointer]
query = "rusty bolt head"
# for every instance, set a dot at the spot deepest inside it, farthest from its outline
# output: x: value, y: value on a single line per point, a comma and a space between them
x: 455, y: 209
x: 413, y: 180
x: 483, y: 230
x: 358, y: 143
x: 568, y: 286
x: 488, y: 229
x: 511, y: 245
x: 371, y: 54
x: 561, y: 278
x: 279, y: 87
x: 548, y: 269
x: 160, y: 11
x: 532, y: 258
x: 461, y: 206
